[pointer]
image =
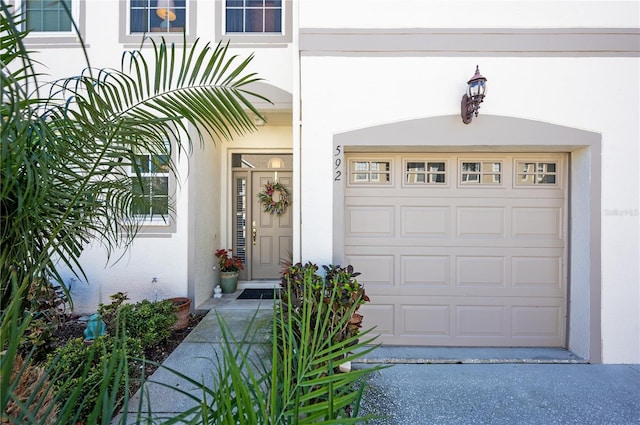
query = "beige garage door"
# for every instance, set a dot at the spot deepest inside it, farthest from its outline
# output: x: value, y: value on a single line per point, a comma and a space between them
x: 460, y: 249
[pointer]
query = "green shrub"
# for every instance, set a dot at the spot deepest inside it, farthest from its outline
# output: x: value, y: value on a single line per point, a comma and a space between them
x: 86, y: 374
x: 150, y: 322
x: 47, y: 307
x: 108, y: 312
x: 339, y: 289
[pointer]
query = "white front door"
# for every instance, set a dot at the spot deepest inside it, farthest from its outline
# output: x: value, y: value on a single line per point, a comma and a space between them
x: 271, y: 240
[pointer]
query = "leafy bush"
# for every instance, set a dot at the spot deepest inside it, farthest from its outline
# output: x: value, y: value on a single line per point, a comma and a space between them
x: 80, y: 384
x: 37, y: 339
x: 150, y: 322
x: 86, y: 375
x: 109, y: 312
x: 338, y: 281
x: 47, y: 307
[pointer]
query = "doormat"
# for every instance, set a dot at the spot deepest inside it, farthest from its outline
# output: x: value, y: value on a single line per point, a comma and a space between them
x: 259, y: 294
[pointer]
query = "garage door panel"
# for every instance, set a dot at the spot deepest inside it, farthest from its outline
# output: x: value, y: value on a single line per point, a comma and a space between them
x: 425, y: 320
x: 530, y: 272
x: 479, y: 271
x: 370, y: 221
x: 537, y: 272
x: 472, y: 321
x: 462, y: 264
x: 425, y: 222
x: 425, y: 270
x: 381, y: 317
x: 480, y: 242
x: 480, y: 222
x: 380, y: 270
x: 536, y: 321
x: 537, y: 223
x: 481, y: 321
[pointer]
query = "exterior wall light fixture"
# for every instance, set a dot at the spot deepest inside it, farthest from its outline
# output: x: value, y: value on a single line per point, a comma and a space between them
x: 474, y: 96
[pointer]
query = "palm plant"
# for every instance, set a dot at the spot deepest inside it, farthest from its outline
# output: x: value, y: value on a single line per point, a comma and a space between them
x: 65, y: 158
x: 68, y: 146
x: 298, y: 384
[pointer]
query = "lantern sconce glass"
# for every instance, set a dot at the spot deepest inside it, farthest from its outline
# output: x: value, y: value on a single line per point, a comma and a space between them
x: 471, y: 100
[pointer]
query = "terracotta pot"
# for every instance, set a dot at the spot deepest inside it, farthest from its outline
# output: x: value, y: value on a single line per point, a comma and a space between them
x: 184, y: 308
x: 229, y: 282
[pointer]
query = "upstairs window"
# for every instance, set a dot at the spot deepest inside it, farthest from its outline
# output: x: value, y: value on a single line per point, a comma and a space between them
x: 157, y: 16
x: 49, y: 15
x: 253, y: 16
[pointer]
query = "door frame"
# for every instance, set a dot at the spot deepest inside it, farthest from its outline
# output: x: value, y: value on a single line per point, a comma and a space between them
x: 232, y: 217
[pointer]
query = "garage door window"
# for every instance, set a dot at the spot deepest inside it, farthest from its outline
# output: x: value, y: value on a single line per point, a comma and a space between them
x: 425, y: 172
x: 370, y: 172
x: 481, y: 172
x: 536, y: 173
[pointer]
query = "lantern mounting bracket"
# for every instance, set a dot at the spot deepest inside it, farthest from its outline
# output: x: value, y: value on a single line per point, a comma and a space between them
x: 476, y: 89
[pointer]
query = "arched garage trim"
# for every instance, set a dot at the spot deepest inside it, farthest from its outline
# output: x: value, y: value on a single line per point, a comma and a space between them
x: 489, y: 133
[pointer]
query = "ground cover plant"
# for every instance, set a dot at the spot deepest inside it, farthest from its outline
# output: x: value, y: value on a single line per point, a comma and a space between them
x: 149, y: 321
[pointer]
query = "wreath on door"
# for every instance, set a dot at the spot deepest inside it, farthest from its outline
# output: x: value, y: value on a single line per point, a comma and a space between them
x: 269, y: 205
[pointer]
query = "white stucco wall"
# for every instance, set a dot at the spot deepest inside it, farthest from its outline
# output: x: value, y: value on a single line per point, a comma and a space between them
x: 468, y: 14
x: 342, y: 93
x: 133, y: 271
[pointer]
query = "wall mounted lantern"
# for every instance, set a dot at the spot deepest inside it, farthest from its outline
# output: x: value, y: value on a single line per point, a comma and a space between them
x: 471, y: 100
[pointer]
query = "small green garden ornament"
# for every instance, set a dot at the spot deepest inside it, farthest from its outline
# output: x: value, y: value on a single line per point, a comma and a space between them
x: 95, y: 328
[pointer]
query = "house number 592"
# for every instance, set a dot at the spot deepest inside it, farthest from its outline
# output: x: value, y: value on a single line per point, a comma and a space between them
x: 337, y: 164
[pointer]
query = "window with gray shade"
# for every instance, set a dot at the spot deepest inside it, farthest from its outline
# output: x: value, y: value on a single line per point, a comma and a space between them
x: 253, y: 16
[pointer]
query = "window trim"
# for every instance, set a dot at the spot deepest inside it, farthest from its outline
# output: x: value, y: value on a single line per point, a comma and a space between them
x: 134, y: 39
x: 156, y: 227
x: 537, y: 160
x: 284, y: 37
x: 426, y: 184
x: 369, y: 183
x: 480, y: 173
x: 47, y: 38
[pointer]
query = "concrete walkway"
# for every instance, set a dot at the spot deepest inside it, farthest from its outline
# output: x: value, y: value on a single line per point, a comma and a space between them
x: 432, y: 385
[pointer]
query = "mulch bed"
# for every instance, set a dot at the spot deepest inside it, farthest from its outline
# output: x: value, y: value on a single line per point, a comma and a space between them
x: 74, y: 328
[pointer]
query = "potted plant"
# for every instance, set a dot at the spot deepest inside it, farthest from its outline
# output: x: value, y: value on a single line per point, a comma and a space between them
x: 183, y: 311
x: 229, y: 266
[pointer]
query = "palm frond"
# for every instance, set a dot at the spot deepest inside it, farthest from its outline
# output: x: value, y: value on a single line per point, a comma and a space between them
x: 66, y: 156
